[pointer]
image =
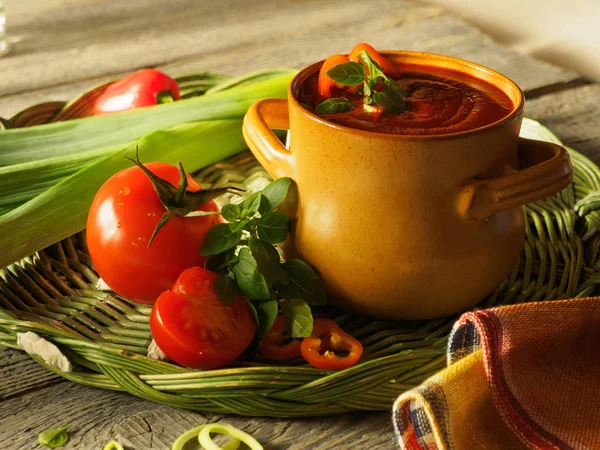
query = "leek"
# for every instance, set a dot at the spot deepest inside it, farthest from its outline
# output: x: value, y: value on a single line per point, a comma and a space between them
x: 21, y: 145
x: 22, y: 182
x: 50, y: 173
x: 62, y: 210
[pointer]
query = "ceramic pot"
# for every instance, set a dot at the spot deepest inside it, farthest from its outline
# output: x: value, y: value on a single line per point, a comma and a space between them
x: 407, y: 227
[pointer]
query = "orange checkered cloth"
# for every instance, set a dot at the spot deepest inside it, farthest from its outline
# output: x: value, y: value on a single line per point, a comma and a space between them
x: 524, y: 376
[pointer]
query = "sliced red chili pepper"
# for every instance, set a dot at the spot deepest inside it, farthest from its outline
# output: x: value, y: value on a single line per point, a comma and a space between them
x: 326, y: 83
x: 145, y: 87
x: 276, y: 346
x: 388, y: 67
x: 327, y: 340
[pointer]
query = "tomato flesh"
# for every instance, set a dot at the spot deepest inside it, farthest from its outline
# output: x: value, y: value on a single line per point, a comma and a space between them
x: 195, y: 329
x: 121, y: 220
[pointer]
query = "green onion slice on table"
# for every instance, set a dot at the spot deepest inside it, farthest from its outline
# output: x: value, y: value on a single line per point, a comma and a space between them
x: 203, y: 434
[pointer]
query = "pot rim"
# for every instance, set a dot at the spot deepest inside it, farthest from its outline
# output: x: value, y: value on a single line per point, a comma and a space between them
x: 456, y: 64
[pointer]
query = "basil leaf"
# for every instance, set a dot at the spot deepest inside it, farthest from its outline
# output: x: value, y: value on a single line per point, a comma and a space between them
x: 254, y: 313
x: 250, y: 205
x: 267, y: 313
x: 398, y: 88
x: 374, y: 69
x: 238, y: 225
x: 390, y: 100
x: 218, y: 239
x: 231, y: 212
x: 333, y: 106
x: 348, y: 73
x: 273, y: 194
x: 54, y: 438
x: 226, y: 289
x: 267, y: 261
x: 298, y: 318
x: 251, y: 283
x: 304, y: 283
x: 273, y: 227
x: 243, y: 210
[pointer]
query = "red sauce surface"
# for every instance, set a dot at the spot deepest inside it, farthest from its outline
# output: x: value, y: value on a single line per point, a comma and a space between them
x: 440, y: 101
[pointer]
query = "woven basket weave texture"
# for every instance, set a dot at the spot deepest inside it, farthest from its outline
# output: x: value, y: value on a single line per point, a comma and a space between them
x: 54, y: 294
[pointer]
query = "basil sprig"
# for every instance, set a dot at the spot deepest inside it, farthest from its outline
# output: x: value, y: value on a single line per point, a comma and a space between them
x: 371, y: 76
x: 334, y: 105
x: 244, y: 255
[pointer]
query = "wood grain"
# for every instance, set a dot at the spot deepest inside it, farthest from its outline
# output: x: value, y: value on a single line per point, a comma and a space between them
x: 63, y: 47
x: 19, y: 374
x: 65, y: 51
x: 574, y: 115
x: 98, y: 416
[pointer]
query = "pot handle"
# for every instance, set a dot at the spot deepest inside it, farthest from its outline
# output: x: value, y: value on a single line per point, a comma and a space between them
x: 546, y: 170
x: 261, y: 118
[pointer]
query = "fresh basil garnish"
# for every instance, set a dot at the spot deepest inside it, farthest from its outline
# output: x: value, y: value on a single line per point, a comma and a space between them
x: 333, y: 106
x: 252, y: 284
x: 219, y: 239
x: 243, y: 254
x: 298, y: 318
x: 348, y: 73
x: 390, y: 100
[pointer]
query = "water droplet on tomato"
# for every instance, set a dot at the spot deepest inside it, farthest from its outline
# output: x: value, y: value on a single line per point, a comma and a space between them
x: 120, y: 204
x: 142, y: 239
x: 134, y: 244
x: 152, y: 214
x: 124, y: 191
x: 119, y: 224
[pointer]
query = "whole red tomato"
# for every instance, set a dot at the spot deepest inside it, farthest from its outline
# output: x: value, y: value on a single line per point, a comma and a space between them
x: 121, y: 220
x: 194, y: 328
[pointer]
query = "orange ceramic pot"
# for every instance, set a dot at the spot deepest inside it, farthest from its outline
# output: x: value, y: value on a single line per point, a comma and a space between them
x: 408, y: 227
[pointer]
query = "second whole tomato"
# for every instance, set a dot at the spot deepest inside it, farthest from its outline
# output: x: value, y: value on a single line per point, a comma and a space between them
x: 121, y: 221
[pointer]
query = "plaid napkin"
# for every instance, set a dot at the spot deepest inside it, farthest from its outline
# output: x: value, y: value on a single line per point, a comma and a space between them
x: 520, y: 376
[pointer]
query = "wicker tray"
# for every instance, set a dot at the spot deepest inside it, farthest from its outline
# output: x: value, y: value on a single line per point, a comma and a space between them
x: 53, y: 293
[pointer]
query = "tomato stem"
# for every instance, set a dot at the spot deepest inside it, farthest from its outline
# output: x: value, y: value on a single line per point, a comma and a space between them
x: 165, y: 96
x: 178, y: 201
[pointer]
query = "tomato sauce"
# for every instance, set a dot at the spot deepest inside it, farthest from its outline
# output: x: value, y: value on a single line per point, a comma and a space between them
x: 440, y: 101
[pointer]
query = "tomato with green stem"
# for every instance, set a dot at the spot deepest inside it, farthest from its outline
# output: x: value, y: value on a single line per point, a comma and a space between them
x: 130, y: 254
x: 194, y: 328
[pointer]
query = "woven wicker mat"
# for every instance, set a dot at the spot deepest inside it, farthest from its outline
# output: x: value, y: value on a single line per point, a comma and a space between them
x: 106, y: 337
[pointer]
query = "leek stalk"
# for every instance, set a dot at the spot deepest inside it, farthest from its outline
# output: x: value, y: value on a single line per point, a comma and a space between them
x: 62, y: 210
x: 50, y: 173
x: 21, y: 145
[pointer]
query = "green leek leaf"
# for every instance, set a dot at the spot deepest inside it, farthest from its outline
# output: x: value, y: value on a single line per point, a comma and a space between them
x: 62, y: 210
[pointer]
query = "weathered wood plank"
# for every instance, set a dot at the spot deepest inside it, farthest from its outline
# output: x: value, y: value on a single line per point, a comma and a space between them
x: 574, y: 115
x: 86, y: 40
x: 63, y: 51
x: 218, y: 38
x: 20, y: 374
x: 97, y: 416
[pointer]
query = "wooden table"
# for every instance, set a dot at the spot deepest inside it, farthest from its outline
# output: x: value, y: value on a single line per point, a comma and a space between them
x: 61, y: 47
